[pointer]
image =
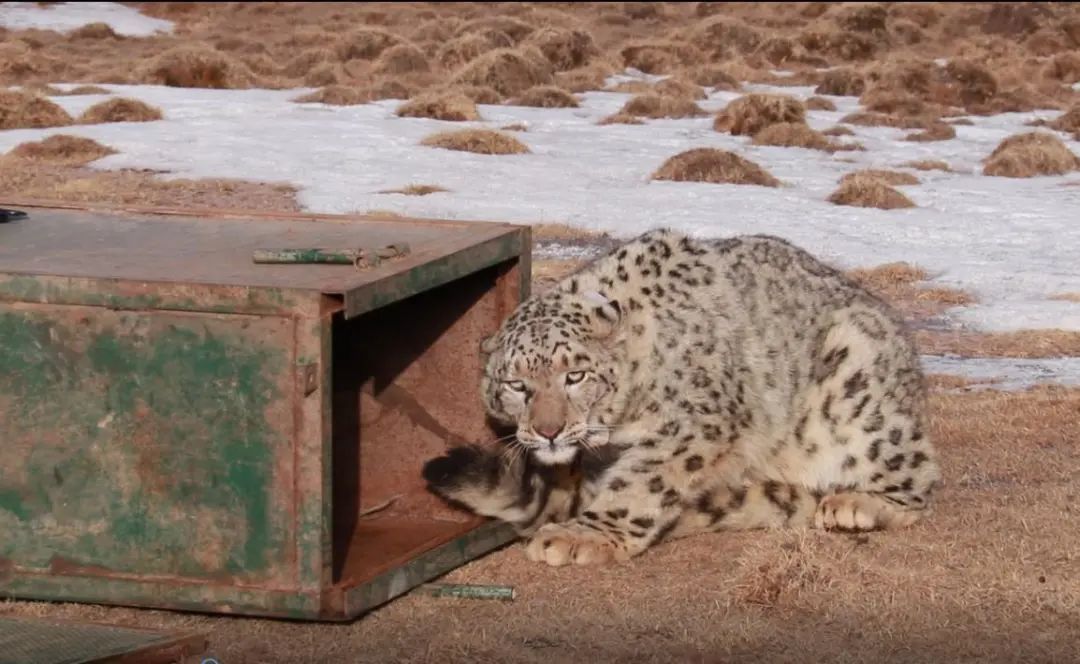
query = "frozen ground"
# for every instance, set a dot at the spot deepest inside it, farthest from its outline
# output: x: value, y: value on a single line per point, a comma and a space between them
x: 68, y: 16
x: 1006, y: 373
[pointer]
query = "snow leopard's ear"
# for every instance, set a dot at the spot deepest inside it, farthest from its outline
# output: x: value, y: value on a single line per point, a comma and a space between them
x: 488, y: 345
x: 605, y: 314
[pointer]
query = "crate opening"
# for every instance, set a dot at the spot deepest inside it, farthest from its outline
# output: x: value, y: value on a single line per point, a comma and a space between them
x: 405, y: 388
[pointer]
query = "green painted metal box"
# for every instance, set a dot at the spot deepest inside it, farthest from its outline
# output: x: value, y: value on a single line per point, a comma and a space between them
x: 183, y: 428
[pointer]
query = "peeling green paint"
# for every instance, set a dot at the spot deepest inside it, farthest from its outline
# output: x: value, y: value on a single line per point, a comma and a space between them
x: 140, y: 445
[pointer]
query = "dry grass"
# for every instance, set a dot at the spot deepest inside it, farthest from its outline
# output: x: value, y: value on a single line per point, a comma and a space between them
x: 365, y: 44
x: 891, y: 178
x: 461, y: 50
x: 198, y: 67
x: 336, y: 95
x: 900, y: 285
x: 84, y: 90
x: 507, y: 71
x: 416, y: 190
x: 929, y: 165
x: 872, y: 119
x: 631, y: 87
x: 844, y: 82
x: 94, y: 31
x: 452, y: 106
x: 564, y: 49
x: 652, y: 105
x: 120, y: 109
x: 938, y: 131
x: 789, y: 134
x: 715, y: 166
x: 1026, y: 344
x: 1030, y: 155
x: 401, y: 59
x: 677, y: 87
x: 713, y: 76
x: 545, y: 96
x: 62, y: 149
x: 621, y: 118
x: 24, y: 110
x: 751, y: 113
x: 819, y: 104
x: 659, y: 56
x: 869, y: 191
x: 1066, y: 297
x: 480, y: 141
x: 838, y: 130
x: 1068, y: 122
x: 583, y: 79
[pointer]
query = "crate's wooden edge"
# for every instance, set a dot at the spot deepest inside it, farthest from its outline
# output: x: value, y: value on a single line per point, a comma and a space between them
x: 242, y: 213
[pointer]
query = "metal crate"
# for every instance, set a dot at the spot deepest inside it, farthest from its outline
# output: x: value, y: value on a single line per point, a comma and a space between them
x: 183, y: 428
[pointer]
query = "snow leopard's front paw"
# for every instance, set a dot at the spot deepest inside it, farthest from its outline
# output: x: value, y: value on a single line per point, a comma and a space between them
x: 560, y: 544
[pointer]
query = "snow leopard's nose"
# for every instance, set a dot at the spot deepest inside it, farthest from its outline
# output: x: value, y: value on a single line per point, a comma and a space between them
x: 550, y: 432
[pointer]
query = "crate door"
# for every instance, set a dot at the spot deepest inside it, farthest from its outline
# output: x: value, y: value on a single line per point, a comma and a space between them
x: 146, y: 443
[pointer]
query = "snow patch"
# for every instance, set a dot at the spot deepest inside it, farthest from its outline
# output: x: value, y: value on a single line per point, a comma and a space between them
x: 68, y: 16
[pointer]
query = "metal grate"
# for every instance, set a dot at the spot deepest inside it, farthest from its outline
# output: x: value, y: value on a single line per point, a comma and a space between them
x: 39, y: 642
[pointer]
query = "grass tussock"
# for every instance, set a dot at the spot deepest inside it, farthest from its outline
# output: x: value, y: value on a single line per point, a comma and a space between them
x: 631, y: 87
x: 582, y: 80
x: 713, y: 76
x: 545, y: 96
x: 659, y: 56
x: 365, y: 44
x: 819, y: 104
x: 462, y: 50
x: 301, y: 64
x: 891, y: 178
x: 401, y: 59
x: 869, y: 192
x: 452, y: 106
x: 564, y: 49
x: 1025, y: 344
x: 79, y: 90
x: 507, y: 71
x: 751, y: 113
x: 121, y: 109
x: 93, y: 32
x: 844, y: 82
x: 714, y: 166
x: 62, y: 149
x: 929, y: 165
x: 479, y: 94
x: 621, y: 118
x: 416, y: 190
x: 24, y: 110
x: 1069, y: 121
x: 937, y: 131
x: 651, y: 105
x: 678, y: 87
x: 870, y: 119
x: 198, y: 67
x: 838, y: 130
x: 479, y: 141
x: 793, y: 134
x: 1030, y: 155
x: 337, y: 95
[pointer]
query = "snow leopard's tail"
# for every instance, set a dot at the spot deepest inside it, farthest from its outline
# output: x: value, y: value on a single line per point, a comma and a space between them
x: 513, y: 489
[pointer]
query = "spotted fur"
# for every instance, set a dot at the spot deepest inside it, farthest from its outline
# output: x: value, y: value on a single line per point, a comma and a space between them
x: 679, y: 386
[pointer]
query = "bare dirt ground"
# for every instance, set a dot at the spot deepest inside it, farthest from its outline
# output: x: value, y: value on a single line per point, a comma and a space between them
x: 992, y: 576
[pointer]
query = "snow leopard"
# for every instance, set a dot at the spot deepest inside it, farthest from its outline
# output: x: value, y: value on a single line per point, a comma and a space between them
x: 680, y: 385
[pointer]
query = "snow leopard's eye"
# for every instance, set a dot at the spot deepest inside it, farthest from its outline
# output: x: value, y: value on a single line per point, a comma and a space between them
x: 575, y: 377
x: 515, y: 385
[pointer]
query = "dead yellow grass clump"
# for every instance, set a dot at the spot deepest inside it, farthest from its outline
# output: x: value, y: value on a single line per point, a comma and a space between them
x: 657, y: 106
x: 94, y: 31
x: 465, y: 48
x: 891, y: 178
x: 507, y: 71
x: 714, y: 76
x: 715, y: 166
x: 337, y: 95
x: 660, y: 57
x: 121, y: 109
x: 479, y: 94
x: 452, y: 106
x: 365, y: 44
x: 929, y: 165
x: 301, y: 64
x: 838, y: 130
x: 631, y: 87
x: 1021, y: 344
x: 751, y: 113
x: 480, y: 141
x: 864, y: 191
x: 1029, y: 155
x: 198, y: 67
x: 819, y: 104
x: 514, y: 28
x: 84, y: 90
x: 545, y: 96
x: 677, y: 87
x: 1064, y: 67
x: 1066, y: 297
x: 937, y: 131
x: 722, y: 36
x: 621, y: 118
x: 416, y: 190
x: 870, y: 119
x: 401, y: 59
x: 62, y: 149
x: 581, y: 80
x: 564, y: 49
x: 1068, y: 122
x: 23, y: 110
x: 793, y: 134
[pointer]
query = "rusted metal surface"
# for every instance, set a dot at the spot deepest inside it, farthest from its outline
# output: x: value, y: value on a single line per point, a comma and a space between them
x: 42, y: 641
x: 184, y: 429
